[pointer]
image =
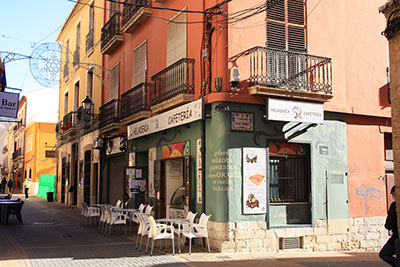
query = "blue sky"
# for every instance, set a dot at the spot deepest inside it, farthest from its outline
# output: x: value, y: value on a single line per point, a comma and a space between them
x: 24, y: 23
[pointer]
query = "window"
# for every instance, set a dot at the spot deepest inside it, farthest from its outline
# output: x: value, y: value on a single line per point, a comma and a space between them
x: 91, y: 17
x: 66, y: 103
x: 30, y: 173
x: 67, y: 53
x: 289, y: 172
x: 139, y: 64
x: 78, y: 36
x: 286, y: 26
x: 76, y: 96
x: 89, y: 84
x: 114, y: 83
x: 177, y: 38
x: 50, y: 154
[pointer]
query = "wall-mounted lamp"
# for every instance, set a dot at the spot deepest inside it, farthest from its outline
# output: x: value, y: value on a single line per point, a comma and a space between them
x: 87, y: 105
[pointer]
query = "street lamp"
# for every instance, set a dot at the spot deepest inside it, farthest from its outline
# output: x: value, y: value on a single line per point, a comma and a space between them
x: 87, y: 104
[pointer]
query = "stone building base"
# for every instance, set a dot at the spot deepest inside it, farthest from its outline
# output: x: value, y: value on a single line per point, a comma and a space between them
x: 363, y: 234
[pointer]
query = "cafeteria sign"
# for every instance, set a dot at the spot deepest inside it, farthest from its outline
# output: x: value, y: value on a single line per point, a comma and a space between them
x: 9, y: 104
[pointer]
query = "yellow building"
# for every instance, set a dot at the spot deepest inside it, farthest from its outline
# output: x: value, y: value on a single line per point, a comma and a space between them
x: 80, y: 79
x: 40, y: 157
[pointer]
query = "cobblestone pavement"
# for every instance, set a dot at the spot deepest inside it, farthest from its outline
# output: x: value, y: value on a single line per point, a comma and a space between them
x: 51, y: 236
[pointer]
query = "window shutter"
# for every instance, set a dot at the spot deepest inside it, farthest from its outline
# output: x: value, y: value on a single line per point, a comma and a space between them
x: 296, y: 39
x: 139, y: 64
x: 177, y: 38
x: 276, y: 35
x: 286, y: 26
x: 296, y: 12
x: 276, y: 11
x: 114, y: 83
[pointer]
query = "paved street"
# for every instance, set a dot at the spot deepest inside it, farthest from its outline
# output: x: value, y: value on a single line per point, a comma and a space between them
x: 51, y: 236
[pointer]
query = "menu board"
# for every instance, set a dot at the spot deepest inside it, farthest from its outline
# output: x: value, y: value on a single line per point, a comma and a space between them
x: 254, y: 181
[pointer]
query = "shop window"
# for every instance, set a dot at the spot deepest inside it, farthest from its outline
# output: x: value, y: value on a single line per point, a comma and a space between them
x: 289, y: 172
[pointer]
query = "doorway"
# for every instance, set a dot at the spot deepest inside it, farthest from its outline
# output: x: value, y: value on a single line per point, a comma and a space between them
x: 86, y: 180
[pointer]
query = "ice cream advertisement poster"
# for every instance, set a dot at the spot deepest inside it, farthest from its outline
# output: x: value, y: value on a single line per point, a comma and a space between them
x: 254, y: 180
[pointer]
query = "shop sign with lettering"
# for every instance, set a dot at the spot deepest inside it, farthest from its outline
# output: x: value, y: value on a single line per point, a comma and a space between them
x: 287, y: 110
x: 9, y: 104
x: 184, y: 114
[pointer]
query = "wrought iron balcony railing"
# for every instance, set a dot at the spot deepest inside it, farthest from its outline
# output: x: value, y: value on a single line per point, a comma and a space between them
x: 110, y: 29
x: 17, y: 153
x: 131, y: 7
x: 68, y: 121
x: 89, y: 40
x: 109, y: 113
x: 134, y: 100
x: 83, y: 117
x: 76, y: 58
x: 176, y: 79
x: 295, y: 71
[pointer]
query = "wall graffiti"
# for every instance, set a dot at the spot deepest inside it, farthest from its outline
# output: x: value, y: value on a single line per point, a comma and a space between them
x: 368, y: 192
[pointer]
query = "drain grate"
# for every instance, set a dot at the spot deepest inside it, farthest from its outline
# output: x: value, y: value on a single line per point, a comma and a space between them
x: 290, y: 242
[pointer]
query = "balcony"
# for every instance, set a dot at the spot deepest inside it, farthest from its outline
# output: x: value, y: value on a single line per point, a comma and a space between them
x: 134, y: 104
x: 85, y: 121
x: 288, y: 74
x: 109, y: 116
x: 89, y: 40
x: 17, y: 153
x: 68, y: 128
x: 76, y: 58
x: 134, y: 13
x: 173, y: 86
x: 111, y: 36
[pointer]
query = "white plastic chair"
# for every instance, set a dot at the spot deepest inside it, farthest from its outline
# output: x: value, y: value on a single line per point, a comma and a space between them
x: 159, y: 232
x: 89, y: 212
x: 118, y: 204
x: 115, y: 218
x: 143, y: 229
x: 148, y: 210
x: 103, y: 219
x: 141, y: 207
x: 196, y: 230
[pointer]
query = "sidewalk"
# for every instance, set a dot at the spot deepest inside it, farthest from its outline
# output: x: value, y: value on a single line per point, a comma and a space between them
x: 51, y: 236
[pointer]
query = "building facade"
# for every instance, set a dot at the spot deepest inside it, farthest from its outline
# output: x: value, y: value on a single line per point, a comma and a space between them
x: 273, y: 117
x: 40, y: 158
x: 81, y: 72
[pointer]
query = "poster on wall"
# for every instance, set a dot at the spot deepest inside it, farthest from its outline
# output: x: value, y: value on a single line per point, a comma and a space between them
x: 199, y: 183
x: 254, y: 180
x: 176, y: 150
x: 152, y: 158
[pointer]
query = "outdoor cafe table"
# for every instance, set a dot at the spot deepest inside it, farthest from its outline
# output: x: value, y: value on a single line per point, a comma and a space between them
x: 178, y: 222
x: 4, y: 204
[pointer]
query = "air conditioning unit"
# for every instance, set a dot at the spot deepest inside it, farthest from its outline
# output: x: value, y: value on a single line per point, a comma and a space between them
x: 98, y: 143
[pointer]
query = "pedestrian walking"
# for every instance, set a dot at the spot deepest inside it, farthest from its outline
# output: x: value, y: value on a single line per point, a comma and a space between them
x: 388, y: 249
x: 3, y: 185
x: 27, y: 184
x: 10, y: 185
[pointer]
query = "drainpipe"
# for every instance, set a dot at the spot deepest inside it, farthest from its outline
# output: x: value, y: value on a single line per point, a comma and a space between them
x: 203, y: 135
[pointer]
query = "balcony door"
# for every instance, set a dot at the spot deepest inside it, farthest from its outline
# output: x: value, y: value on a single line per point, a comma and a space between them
x: 176, y: 50
x: 286, y: 31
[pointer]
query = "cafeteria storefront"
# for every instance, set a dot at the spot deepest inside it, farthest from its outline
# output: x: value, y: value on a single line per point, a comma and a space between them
x: 264, y: 180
